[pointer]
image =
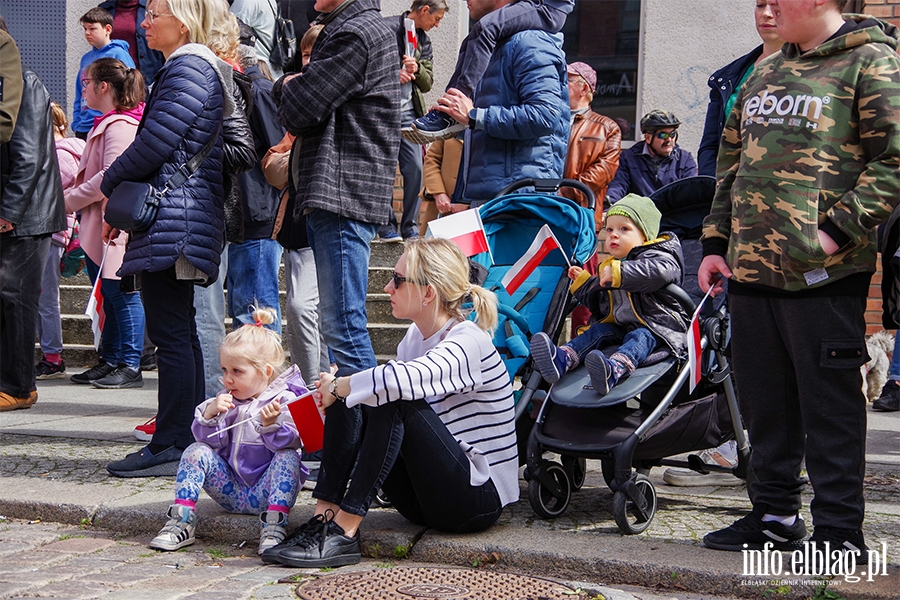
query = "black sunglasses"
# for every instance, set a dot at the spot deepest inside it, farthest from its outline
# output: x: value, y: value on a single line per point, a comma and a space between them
x: 397, y: 278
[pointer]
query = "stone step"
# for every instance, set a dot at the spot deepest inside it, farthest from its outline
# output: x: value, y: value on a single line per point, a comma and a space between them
x: 73, y: 299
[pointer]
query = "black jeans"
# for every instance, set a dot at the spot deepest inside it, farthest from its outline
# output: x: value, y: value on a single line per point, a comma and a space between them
x: 21, y: 270
x: 796, y: 362
x: 169, y: 307
x: 408, y: 452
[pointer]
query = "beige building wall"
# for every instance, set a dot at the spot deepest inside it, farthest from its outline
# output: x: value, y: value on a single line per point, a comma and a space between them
x: 76, y: 45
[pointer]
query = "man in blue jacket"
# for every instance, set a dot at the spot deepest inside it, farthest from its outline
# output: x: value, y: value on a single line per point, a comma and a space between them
x: 653, y: 163
x: 519, y: 117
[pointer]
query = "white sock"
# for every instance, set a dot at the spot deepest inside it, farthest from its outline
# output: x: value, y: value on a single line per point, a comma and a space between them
x: 786, y: 521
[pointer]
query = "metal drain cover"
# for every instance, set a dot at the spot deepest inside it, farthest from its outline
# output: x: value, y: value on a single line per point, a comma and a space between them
x: 402, y: 583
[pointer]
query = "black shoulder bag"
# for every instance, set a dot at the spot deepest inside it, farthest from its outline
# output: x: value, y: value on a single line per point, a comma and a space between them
x: 283, y: 42
x: 133, y: 205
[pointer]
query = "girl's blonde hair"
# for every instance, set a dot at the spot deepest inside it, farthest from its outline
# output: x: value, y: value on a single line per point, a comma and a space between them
x: 196, y: 15
x: 440, y: 264
x: 225, y: 37
x: 256, y: 344
x: 60, y: 121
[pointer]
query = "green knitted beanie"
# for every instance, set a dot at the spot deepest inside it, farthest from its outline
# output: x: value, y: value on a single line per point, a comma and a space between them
x: 642, y: 211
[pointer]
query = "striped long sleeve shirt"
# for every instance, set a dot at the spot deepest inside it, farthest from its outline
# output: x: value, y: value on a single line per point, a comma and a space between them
x: 459, y: 373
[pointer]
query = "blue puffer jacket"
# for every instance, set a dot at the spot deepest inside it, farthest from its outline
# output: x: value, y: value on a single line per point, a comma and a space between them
x: 522, y: 118
x: 639, y: 174
x: 184, y: 110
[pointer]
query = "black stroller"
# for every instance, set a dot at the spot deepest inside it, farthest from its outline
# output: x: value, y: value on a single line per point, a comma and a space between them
x: 648, y: 416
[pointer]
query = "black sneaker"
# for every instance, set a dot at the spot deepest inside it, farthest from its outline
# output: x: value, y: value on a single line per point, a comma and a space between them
x: 326, y: 547
x: 148, y: 362
x: 821, y: 547
x: 272, y: 556
x: 432, y: 127
x: 98, y: 371
x: 123, y: 377
x: 889, y: 401
x: 145, y: 464
x: 751, y: 533
x: 48, y: 370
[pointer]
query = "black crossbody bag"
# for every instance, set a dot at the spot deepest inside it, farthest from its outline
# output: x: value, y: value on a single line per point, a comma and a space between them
x: 133, y: 205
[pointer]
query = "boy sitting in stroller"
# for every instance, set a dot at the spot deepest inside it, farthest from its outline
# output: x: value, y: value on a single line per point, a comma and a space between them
x: 623, y: 300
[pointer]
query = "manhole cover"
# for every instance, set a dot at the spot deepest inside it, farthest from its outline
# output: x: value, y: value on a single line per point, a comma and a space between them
x: 401, y: 583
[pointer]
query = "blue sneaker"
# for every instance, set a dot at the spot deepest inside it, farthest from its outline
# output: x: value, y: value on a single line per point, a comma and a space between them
x: 602, y: 371
x: 434, y: 126
x: 390, y: 236
x: 549, y: 360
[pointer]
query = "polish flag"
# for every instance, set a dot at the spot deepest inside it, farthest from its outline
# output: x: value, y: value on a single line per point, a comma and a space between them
x: 465, y: 228
x: 695, y: 351
x: 95, y: 311
x: 412, y: 42
x: 95, y: 305
x: 544, y: 242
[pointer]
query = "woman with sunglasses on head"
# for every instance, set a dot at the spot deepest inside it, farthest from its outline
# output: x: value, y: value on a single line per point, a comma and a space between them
x: 653, y: 163
x: 191, y: 95
x: 439, y: 433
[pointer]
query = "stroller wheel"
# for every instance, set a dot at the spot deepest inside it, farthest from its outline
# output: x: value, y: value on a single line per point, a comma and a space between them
x: 549, y: 492
x: 576, y: 469
x: 381, y: 500
x: 630, y: 517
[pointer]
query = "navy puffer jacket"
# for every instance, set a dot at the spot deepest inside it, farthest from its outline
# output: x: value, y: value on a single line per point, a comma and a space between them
x: 185, y: 108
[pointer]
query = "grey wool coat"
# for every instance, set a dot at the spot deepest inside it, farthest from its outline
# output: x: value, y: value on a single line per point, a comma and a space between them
x: 345, y: 111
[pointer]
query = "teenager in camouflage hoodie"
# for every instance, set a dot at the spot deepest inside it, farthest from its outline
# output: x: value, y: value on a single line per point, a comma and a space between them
x: 807, y: 169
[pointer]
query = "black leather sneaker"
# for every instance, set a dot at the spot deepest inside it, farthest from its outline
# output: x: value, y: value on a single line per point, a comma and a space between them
x: 98, y: 371
x: 327, y: 547
x: 754, y: 532
x: 272, y: 556
x: 123, y: 377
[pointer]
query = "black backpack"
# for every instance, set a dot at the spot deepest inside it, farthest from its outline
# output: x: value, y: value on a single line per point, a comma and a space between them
x: 284, y: 42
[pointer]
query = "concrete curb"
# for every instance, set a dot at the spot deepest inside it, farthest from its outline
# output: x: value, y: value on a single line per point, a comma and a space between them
x: 613, y: 559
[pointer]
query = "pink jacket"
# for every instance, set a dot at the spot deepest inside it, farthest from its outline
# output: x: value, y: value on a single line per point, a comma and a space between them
x: 105, y: 142
x: 68, y: 154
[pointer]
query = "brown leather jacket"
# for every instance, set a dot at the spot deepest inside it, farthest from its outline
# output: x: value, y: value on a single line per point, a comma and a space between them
x: 593, y: 156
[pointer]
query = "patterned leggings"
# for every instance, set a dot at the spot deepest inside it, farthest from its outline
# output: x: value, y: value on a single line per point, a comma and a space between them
x: 201, y: 467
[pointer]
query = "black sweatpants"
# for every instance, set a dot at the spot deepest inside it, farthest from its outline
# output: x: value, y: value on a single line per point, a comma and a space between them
x: 797, y: 364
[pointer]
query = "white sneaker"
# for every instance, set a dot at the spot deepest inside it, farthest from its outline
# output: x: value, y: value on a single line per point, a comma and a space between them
x: 178, y: 531
x: 712, y: 456
x: 273, y: 529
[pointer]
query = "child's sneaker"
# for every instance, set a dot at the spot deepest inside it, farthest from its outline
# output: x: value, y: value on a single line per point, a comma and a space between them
x: 436, y: 126
x: 145, y: 432
x: 549, y: 360
x: 602, y: 371
x: 273, y: 529
x: 178, y: 531
x: 48, y: 370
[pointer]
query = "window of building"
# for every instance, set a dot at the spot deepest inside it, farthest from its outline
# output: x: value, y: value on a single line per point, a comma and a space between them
x: 605, y: 34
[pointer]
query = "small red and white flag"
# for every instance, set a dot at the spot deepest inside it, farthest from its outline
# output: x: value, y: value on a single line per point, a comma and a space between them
x: 694, y: 346
x: 95, y: 305
x: 544, y: 242
x: 412, y: 42
x: 465, y: 228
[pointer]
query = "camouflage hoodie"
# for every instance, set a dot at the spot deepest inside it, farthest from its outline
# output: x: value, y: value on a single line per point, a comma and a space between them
x: 813, y: 142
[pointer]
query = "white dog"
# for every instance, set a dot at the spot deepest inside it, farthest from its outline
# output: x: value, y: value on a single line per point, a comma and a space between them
x: 875, y: 372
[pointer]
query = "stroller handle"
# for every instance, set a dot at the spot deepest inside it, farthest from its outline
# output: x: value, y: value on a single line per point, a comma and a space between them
x: 551, y: 186
x: 677, y: 293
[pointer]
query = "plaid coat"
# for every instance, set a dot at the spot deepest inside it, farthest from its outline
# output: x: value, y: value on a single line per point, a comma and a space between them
x: 345, y: 111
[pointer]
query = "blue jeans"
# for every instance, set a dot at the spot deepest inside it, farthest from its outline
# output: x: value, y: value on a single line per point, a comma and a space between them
x: 123, y: 332
x: 636, y: 344
x: 50, y: 324
x: 253, y: 279
x: 410, y: 159
x: 209, y: 304
x: 894, y: 373
x: 341, y: 249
